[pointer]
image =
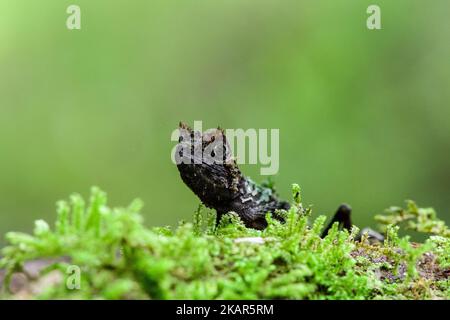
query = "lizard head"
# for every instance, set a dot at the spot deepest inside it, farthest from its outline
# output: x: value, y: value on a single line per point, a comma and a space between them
x: 206, y: 165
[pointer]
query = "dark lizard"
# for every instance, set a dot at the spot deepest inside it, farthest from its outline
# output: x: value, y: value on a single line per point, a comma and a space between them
x: 221, y: 185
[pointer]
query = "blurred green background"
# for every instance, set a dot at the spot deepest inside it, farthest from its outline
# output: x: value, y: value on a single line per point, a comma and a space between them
x: 364, y: 116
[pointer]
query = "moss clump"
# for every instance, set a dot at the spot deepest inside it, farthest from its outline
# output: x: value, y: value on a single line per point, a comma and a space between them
x: 119, y: 258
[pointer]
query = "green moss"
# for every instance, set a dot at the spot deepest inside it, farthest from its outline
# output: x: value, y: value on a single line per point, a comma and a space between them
x: 120, y: 258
